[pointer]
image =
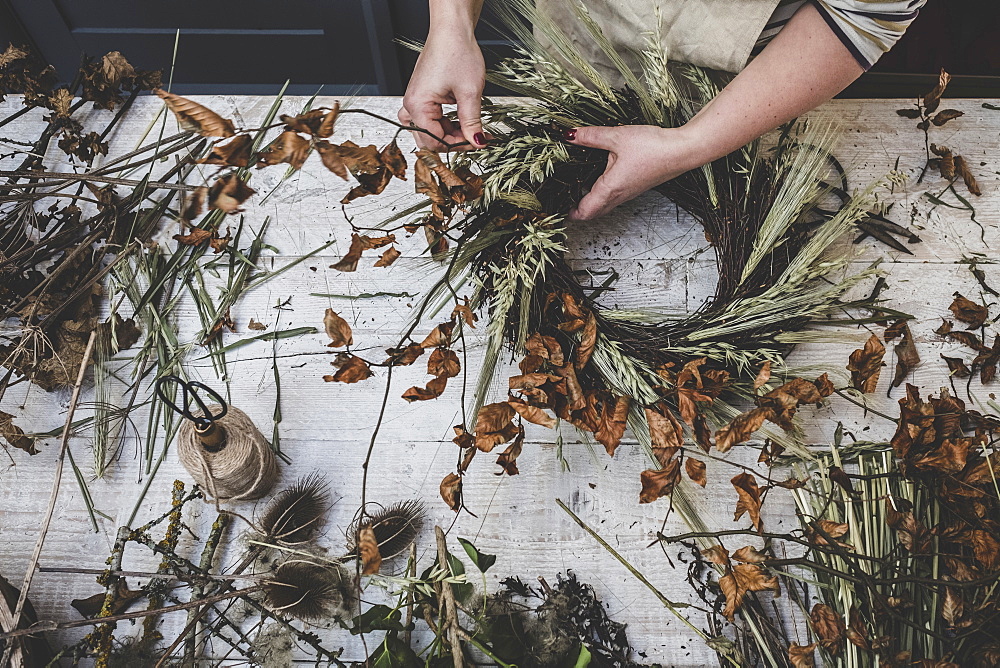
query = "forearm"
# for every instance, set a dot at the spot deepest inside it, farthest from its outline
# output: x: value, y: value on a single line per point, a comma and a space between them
x: 454, y: 17
x: 804, y: 66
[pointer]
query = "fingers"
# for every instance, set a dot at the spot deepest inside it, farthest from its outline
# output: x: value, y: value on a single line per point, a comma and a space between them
x: 470, y: 118
x: 600, y: 200
x: 593, y: 136
x: 430, y: 117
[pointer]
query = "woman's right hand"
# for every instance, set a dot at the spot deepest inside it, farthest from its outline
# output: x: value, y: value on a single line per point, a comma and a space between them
x: 450, y: 70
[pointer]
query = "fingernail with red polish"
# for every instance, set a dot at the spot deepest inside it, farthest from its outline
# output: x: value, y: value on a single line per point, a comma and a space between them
x: 570, y: 135
x: 479, y: 138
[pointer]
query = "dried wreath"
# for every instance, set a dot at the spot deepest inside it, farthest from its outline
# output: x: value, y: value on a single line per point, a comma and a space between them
x: 497, y: 217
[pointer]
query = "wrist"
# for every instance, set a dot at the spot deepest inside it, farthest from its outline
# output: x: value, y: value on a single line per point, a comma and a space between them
x: 689, y: 148
x: 453, y: 20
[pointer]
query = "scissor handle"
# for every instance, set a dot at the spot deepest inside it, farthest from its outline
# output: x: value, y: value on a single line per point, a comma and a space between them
x: 189, y: 394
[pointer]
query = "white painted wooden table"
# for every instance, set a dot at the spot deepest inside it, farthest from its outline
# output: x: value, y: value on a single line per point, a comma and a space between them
x: 326, y: 426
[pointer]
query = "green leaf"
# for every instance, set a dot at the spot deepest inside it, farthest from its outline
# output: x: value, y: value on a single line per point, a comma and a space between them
x: 482, y: 561
x: 583, y: 659
x: 377, y: 618
x: 268, y: 336
x: 393, y: 653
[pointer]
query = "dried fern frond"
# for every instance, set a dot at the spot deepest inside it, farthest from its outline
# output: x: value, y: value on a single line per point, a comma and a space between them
x: 294, y: 514
x: 307, y: 590
x: 395, y: 527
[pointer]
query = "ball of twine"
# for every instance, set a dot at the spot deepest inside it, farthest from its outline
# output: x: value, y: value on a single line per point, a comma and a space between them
x: 245, y: 468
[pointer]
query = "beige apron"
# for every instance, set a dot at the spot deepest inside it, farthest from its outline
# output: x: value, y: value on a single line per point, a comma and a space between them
x: 717, y: 34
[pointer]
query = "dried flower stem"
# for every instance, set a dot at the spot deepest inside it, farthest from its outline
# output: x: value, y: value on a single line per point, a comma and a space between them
x: 449, y: 602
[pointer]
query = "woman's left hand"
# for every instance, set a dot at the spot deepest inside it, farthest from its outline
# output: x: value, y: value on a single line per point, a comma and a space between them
x: 640, y: 157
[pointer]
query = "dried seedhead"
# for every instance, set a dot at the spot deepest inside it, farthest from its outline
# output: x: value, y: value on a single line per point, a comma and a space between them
x: 294, y: 514
x: 308, y: 590
x: 395, y: 527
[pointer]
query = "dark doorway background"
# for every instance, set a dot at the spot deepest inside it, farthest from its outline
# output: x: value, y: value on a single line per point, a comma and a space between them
x: 349, y: 46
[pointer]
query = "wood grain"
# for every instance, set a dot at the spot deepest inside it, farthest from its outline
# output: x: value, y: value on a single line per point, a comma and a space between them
x: 662, y: 259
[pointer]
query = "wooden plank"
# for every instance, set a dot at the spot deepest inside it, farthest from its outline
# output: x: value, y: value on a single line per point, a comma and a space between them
x: 326, y: 426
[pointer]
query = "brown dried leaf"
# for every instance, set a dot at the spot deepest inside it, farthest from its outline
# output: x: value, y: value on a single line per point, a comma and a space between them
x: 350, y: 369
x: 665, y: 430
x: 315, y: 122
x: 857, y: 631
x: 532, y: 414
x: 465, y: 313
x: 234, y: 153
x: 433, y: 162
x: 443, y: 363
x: 907, y: 357
x: 741, y: 580
x: 657, y: 484
x: 195, y: 117
x: 950, y: 456
x: 962, y: 169
x: 15, y: 435
x: 451, y: 491
x: 588, y: 339
x: 288, y: 147
x: 404, y: 356
x: 802, y: 656
x: 368, y: 184
x: 439, y: 336
x: 865, y: 365
x: 947, y: 162
x: 256, y: 326
x: 393, y: 160
x: 349, y: 157
x: 228, y: 193
x: 830, y: 628
x: 933, y: 98
x: 193, y: 203
x: 425, y: 183
x: 945, y: 115
x: 388, y: 257
x: 750, y: 555
x: 337, y: 329
x: 546, y: 347
x: 717, y: 555
x: 494, y: 417
x: 195, y: 237
x: 763, y: 375
x: 122, y: 600
x: 359, y: 244
x: 832, y: 529
x: 371, y: 560
x: 695, y: 470
x: 508, y: 458
x: 741, y: 428
x: 434, y: 389
x: 611, y: 427
x: 912, y: 114
x: 749, y: 498
x: 957, y: 366
x: 968, y: 311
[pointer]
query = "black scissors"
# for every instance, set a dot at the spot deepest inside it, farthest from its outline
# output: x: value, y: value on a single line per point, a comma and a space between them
x: 211, y: 435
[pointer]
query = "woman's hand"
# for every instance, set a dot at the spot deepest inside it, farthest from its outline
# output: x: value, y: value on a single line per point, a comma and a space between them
x: 640, y: 157
x: 450, y: 70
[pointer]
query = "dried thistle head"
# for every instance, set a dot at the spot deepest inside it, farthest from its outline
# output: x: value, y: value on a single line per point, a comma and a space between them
x: 395, y: 527
x: 295, y: 513
x: 308, y: 590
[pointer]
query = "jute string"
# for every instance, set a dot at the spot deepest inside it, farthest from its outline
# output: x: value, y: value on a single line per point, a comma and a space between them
x: 245, y: 468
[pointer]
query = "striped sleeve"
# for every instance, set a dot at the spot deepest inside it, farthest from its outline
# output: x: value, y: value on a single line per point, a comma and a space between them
x: 869, y: 28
